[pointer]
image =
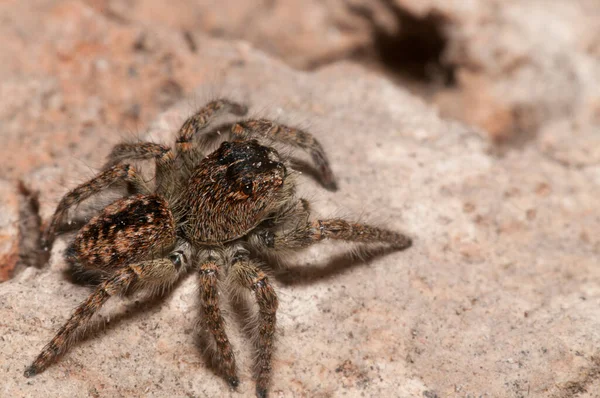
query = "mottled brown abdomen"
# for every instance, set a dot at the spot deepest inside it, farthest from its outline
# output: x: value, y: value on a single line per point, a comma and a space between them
x: 128, y: 230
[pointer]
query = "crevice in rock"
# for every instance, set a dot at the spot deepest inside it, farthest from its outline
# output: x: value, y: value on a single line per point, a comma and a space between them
x: 416, y: 49
x: 412, y: 53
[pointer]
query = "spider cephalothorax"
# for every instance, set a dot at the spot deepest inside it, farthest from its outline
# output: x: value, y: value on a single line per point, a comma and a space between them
x: 209, y: 213
x: 232, y: 191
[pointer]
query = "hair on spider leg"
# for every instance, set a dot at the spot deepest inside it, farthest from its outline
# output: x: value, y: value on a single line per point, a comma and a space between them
x: 209, y: 350
x: 242, y: 306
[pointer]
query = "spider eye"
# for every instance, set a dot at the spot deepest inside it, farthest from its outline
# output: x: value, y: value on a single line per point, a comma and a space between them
x: 177, y: 259
x: 247, y: 186
x: 226, y: 145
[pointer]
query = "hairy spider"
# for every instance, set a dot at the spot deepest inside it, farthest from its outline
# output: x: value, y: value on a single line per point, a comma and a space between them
x: 213, y: 214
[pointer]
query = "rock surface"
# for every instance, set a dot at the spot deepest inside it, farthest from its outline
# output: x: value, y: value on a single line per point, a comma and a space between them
x: 498, y: 297
x: 83, y: 75
x: 511, y: 67
x: 9, y: 229
x: 520, y: 66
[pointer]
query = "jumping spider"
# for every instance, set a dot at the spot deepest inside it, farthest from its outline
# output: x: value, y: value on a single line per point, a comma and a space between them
x: 208, y: 213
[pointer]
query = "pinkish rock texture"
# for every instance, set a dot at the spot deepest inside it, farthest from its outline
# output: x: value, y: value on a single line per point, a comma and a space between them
x: 519, y: 66
x: 9, y: 229
x: 499, y: 296
x: 73, y: 67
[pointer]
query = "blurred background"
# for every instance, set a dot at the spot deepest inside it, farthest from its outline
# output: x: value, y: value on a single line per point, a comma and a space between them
x: 519, y: 70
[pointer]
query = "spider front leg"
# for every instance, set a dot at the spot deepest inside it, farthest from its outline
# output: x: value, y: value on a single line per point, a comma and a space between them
x: 153, y: 272
x: 121, y: 172
x: 214, y: 321
x: 201, y: 120
x: 247, y: 274
x: 290, y: 136
x: 138, y: 151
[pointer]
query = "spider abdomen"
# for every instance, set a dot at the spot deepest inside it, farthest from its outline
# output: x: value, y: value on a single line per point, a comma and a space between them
x: 128, y: 230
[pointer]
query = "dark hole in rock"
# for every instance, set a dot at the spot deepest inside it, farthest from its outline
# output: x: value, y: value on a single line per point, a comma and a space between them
x: 414, y: 50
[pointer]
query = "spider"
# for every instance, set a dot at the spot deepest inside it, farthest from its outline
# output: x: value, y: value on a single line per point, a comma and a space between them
x: 208, y: 213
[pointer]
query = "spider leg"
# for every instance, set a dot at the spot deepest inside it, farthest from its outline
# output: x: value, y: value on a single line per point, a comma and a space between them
x: 201, y: 120
x: 290, y: 136
x: 165, y: 174
x: 246, y: 273
x: 159, y: 271
x: 306, y: 233
x: 337, y: 228
x: 137, y: 151
x: 214, y: 320
x: 105, y: 179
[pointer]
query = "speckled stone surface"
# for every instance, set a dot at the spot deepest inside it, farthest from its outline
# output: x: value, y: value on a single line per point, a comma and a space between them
x: 498, y: 297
